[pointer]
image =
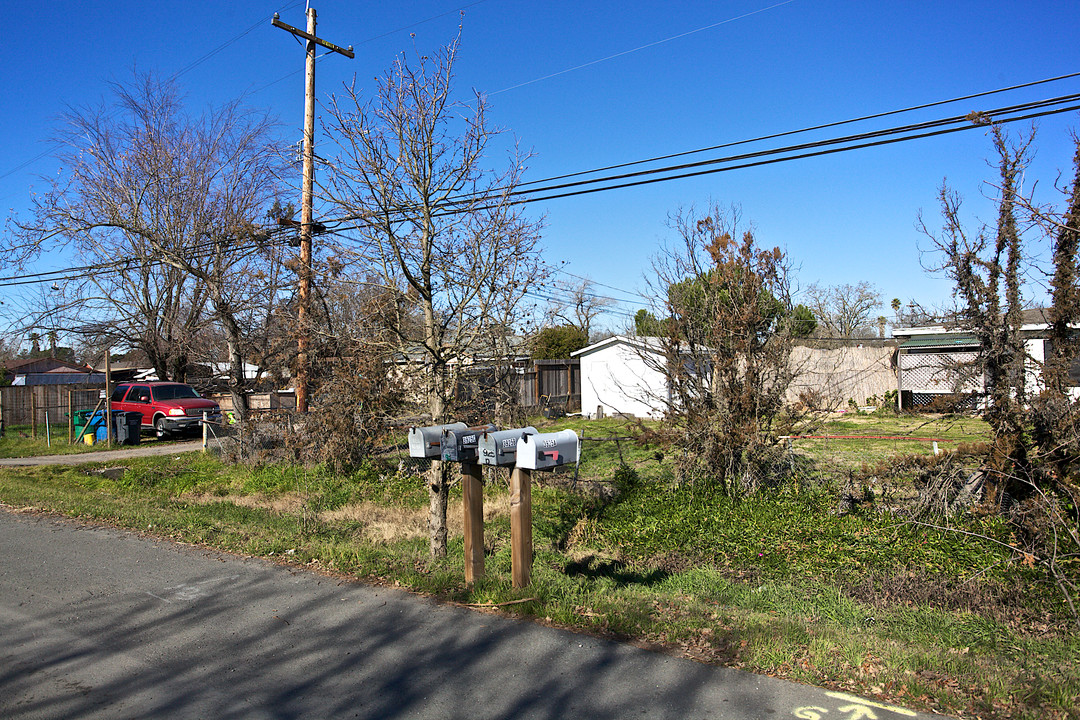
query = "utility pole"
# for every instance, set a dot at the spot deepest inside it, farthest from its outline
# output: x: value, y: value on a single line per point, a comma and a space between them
x: 301, y: 380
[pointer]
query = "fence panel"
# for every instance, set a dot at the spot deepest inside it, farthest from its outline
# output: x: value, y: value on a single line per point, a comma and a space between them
x: 555, y: 382
x: 30, y: 405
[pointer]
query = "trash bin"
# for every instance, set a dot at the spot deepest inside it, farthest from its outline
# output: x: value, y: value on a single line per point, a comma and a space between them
x: 128, y: 427
x: 81, y: 417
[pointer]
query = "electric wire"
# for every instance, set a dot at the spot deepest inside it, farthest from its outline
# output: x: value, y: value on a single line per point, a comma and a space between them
x: 372, y: 39
x: 807, y: 129
x: 643, y: 47
x: 195, y: 63
x: 772, y: 161
x: 964, y: 122
x: 529, y: 196
x: 198, y: 252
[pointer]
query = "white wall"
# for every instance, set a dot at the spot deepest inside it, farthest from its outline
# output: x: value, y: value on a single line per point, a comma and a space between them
x: 617, y: 378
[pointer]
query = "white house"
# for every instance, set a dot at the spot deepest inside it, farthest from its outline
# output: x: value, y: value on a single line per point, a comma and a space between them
x: 938, y: 360
x: 621, y: 376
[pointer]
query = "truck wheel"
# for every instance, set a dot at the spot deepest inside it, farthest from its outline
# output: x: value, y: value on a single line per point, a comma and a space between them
x: 159, y: 428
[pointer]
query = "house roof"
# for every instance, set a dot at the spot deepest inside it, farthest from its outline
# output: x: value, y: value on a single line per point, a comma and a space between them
x: 942, y: 341
x: 1033, y: 321
x: 640, y: 343
x: 47, y: 364
x: 59, y: 377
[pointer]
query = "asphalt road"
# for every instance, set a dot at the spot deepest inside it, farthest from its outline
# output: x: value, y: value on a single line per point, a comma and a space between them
x: 105, y: 455
x: 101, y: 623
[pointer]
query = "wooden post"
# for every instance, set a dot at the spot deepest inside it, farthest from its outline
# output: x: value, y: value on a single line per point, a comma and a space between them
x: 109, y: 429
x: 569, y: 383
x: 300, y: 379
x: 536, y: 382
x: 521, y: 548
x: 472, y: 489
x: 71, y: 417
x: 33, y: 412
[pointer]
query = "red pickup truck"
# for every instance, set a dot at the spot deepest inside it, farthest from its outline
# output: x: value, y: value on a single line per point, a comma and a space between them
x: 166, y: 407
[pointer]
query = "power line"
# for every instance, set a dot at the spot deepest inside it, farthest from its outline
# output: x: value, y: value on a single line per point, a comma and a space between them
x: 772, y: 161
x: 198, y: 251
x: 811, y: 128
x: 227, y: 43
x: 802, y: 151
x: 643, y: 47
x: 467, y: 203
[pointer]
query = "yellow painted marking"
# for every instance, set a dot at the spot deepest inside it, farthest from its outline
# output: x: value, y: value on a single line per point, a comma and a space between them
x: 871, y: 703
x: 858, y: 712
x: 810, y: 712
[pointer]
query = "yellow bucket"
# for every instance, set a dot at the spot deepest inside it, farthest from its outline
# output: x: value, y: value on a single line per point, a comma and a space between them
x: 88, y: 438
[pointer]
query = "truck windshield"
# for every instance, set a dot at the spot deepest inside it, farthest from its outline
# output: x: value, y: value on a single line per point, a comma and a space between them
x: 174, y: 392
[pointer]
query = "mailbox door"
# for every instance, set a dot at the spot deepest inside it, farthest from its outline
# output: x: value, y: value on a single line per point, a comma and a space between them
x: 500, y: 448
x: 461, y: 445
x: 548, y: 450
x: 426, y: 442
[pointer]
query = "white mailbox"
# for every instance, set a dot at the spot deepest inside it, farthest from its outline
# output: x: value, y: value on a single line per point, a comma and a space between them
x: 461, y: 445
x: 548, y: 450
x: 500, y: 448
x: 426, y: 442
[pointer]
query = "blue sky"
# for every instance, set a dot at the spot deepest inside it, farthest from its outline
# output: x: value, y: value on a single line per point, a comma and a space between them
x: 733, y: 70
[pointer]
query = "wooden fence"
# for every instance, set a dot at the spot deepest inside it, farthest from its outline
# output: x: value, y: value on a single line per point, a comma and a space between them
x: 258, y: 401
x: 552, y: 382
x: 30, y: 405
x: 832, y: 376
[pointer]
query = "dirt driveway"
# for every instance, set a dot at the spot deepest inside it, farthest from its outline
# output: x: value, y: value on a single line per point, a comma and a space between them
x: 104, y: 455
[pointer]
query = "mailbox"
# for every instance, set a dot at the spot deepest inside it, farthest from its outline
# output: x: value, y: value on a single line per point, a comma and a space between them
x: 548, y: 450
x: 500, y: 448
x: 426, y: 442
x: 461, y: 445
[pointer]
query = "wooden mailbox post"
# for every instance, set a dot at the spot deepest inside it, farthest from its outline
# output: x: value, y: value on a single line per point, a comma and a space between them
x: 521, y: 546
x: 536, y: 451
x: 461, y: 446
x: 523, y: 448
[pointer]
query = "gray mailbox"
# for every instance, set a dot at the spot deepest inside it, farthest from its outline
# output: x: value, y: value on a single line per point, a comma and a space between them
x: 500, y: 448
x: 548, y: 450
x: 426, y: 442
x: 461, y: 445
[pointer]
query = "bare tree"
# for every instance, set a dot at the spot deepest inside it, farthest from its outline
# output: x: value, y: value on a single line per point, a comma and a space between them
x: 726, y: 347
x: 577, y: 303
x: 844, y: 311
x: 163, y: 204
x: 433, y: 224
x: 1031, y: 466
x: 986, y: 270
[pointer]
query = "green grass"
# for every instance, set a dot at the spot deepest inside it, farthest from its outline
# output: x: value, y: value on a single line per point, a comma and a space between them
x: 907, y: 435
x: 780, y: 584
x: 19, y: 441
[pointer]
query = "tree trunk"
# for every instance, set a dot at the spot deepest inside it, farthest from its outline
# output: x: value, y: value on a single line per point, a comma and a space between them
x: 237, y: 380
x: 438, y: 480
x: 439, y: 496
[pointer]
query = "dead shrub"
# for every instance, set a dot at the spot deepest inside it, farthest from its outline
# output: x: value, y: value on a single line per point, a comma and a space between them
x: 353, y: 402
